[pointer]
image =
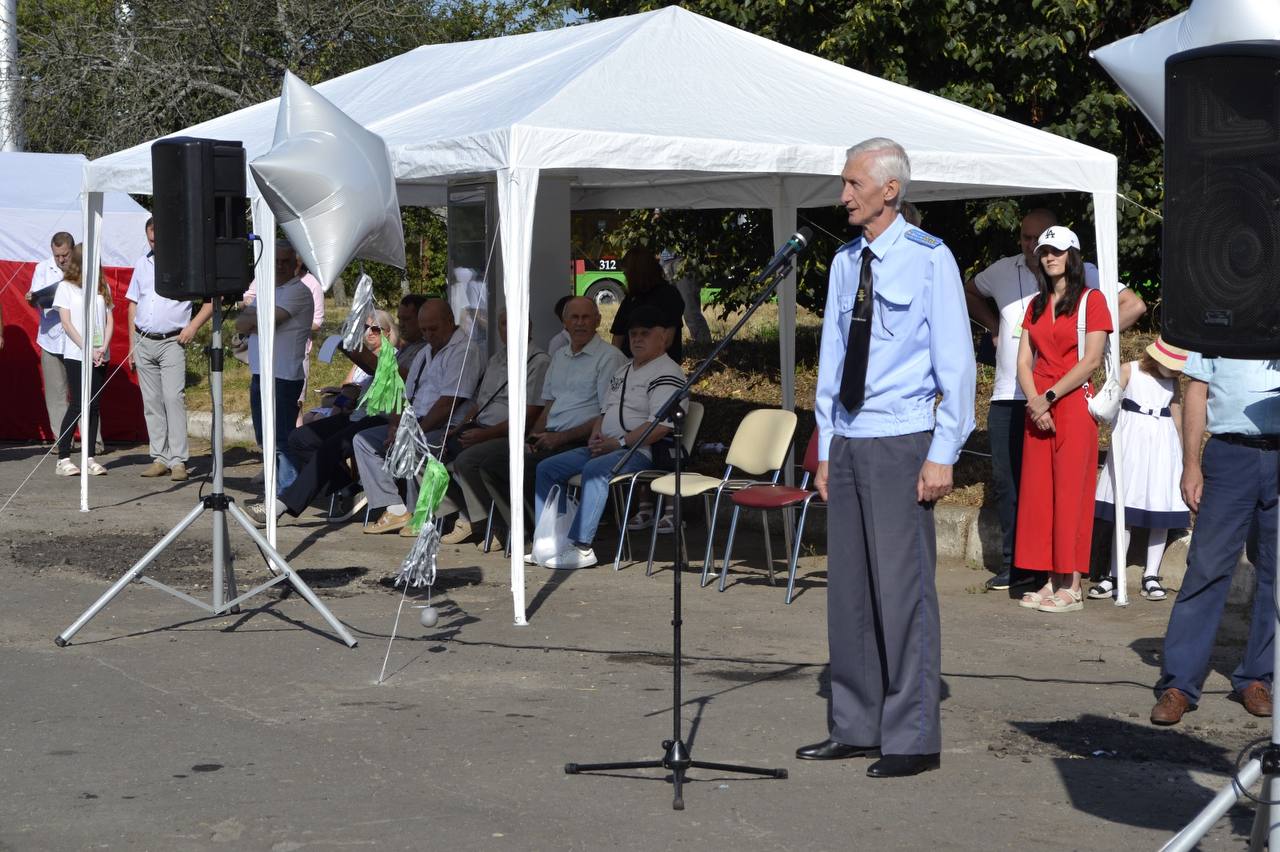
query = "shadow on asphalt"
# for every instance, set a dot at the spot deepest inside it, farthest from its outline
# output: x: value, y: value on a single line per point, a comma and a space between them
x: 1102, y: 761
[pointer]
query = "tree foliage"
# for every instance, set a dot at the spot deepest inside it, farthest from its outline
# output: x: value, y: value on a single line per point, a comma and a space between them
x: 1026, y: 60
x: 99, y: 76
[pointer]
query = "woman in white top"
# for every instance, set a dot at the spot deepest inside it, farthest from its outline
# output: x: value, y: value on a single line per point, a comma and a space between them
x: 69, y: 301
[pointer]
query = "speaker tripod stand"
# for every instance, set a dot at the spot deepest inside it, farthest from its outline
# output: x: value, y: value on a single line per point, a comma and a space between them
x: 223, y: 597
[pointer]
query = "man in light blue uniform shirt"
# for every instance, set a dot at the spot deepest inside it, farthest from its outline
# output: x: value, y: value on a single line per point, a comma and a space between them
x: 1238, y: 403
x: 895, y: 336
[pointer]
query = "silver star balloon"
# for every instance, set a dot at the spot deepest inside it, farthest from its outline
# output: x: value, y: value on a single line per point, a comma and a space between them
x: 329, y: 182
x: 1136, y: 62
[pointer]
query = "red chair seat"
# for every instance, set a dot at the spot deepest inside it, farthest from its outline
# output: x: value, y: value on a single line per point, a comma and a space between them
x: 770, y: 496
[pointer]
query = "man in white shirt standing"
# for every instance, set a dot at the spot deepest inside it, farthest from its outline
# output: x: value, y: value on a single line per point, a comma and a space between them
x: 1011, y: 284
x: 294, y: 309
x: 161, y: 329
x: 44, y: 283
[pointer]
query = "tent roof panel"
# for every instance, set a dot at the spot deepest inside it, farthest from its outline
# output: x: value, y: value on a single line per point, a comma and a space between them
x: 667, y: 92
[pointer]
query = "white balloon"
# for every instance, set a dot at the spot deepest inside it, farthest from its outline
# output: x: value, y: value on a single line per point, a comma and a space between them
x: 1136, y: 63
x: 430, y: 616
x: 330, y: 184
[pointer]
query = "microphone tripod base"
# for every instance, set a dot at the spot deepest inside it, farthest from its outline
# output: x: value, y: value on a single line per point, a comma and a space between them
x: 678, y: 760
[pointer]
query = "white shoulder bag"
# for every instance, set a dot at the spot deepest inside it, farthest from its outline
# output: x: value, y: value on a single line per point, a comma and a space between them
x: 1105, y: 404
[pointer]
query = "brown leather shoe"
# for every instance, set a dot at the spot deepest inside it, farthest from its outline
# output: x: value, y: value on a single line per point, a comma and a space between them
x: 1255, y: 697
x: 1170, y: 708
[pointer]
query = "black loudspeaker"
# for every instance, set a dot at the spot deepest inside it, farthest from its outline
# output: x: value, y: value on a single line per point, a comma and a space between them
x: 1221, y: 264
x: 201, y: 218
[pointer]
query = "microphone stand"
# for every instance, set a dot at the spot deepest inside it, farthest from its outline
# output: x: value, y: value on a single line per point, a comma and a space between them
x: 676, y: 755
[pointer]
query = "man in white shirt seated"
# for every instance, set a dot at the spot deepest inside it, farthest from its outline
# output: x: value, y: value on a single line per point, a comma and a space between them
x: 476, y: 450
x: 636, y: 392
x: 161, y: 329
x: 442, y: 378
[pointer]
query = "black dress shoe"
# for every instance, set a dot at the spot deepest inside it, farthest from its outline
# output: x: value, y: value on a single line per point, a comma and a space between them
x: 832, y: 750
x: 902, y: 765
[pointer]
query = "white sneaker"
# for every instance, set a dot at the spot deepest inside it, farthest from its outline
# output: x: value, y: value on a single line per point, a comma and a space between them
x: 529, y: 560
x: 66, y: 467
x: 96, y: 469
x: 572, y: 557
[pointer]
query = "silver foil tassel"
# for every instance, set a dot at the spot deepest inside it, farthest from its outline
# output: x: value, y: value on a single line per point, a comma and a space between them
x: 352, y: 330
x: 409, y: 450
x: 419, y: 566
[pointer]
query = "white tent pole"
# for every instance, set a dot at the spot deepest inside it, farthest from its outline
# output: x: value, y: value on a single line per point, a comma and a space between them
x: 1104, y: 218
x: 784, y: 224
x: 517, y: 195
x: 264, y: 225
x: 90, y: 273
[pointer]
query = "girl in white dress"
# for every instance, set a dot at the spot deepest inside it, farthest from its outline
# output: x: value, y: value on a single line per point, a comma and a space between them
x: 1149, y: 428
x: 76, y: 347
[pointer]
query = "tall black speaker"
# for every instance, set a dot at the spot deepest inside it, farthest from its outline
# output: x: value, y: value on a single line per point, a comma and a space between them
x: 201, y: 218
x: 1221, y: 261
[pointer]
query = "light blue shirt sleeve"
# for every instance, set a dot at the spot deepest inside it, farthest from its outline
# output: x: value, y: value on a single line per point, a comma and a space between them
x: 831, y: 352
x: 951, y: 351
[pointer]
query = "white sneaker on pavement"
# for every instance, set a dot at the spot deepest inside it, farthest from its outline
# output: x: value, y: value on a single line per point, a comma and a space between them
x: 572, y: 557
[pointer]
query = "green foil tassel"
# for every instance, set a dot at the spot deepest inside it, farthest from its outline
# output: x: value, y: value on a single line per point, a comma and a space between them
x: 435, y: 481
x: 385, y: 394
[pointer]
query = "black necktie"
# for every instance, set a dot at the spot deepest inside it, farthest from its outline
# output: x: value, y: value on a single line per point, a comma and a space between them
x: 853, y: 384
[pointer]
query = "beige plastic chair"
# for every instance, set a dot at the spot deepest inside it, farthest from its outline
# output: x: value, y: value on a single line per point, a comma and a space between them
x: 759, y: 447
x: 689, y: 436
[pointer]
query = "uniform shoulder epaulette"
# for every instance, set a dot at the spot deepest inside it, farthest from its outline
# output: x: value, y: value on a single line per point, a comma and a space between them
x: 918, y: 236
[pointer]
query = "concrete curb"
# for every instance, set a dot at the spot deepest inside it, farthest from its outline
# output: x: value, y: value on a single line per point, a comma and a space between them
x: 235, y: 427
x: 973, y: 534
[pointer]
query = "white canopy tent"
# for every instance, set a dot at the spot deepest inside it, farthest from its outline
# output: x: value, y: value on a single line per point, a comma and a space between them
x: 40, y: 195
x: 662, y: 109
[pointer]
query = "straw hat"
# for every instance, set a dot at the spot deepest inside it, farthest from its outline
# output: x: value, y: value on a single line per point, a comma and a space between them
x: 1167, y: 355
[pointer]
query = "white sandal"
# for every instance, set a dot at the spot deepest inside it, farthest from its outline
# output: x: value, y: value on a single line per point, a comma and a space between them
x: 66, y: 467
x: 642, y: 519
x: 96, y: 469
x: 1053, y: 603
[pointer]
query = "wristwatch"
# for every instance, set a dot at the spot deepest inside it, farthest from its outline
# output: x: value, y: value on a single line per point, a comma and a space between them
x: 1050, y: 396
x: 622, y: 442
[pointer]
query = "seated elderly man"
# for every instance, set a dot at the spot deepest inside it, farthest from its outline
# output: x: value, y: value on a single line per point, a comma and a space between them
x: 319, y: 450
x: 636, y: 393
x: 442, y: 378
x: 476, y: 450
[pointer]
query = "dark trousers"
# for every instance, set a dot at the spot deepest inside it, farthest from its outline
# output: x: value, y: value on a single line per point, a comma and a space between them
x: 287, y: 393
x: 319, y: 451
x: 1239, y: 489
x: 882, y: 608
x: 1005, y: 430
x: 99, y: 376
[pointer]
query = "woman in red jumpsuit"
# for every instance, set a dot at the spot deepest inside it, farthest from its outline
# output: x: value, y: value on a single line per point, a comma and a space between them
x: 1060, y: 443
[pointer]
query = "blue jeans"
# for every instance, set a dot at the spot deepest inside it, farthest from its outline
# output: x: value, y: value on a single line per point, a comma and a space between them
x: 287, y: 393
x: 1239, y: 489
x: 595, y: 485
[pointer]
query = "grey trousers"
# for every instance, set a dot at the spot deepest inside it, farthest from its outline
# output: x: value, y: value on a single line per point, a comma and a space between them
x: 379, y: 487
x: 162, y: 378
x: 55, y: 393
x: 479, y: 476
x: 882, y: 607
x: 55, y: 389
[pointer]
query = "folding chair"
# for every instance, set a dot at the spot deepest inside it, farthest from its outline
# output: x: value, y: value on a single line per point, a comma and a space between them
x: 759, y: 447
x: 782, y: 497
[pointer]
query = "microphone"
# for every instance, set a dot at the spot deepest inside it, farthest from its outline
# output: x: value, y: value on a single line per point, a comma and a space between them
x: 796, y: 245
